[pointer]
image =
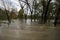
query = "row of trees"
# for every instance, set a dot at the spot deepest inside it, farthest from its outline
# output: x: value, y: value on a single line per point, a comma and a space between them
x: 41, y: 10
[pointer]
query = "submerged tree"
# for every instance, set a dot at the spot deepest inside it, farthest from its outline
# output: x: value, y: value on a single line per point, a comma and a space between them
x: 57, y: 13
x: 46, y: 12
x: 6, y: 11
x: 21, y: 14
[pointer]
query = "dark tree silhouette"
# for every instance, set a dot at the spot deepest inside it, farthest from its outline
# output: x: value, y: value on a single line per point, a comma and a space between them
x: 46, y: 12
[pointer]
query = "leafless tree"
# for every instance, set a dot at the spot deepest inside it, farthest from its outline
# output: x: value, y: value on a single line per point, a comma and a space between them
x: 7, y: 12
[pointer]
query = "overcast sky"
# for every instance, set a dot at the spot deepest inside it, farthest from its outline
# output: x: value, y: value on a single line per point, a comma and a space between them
x: 11, y: 3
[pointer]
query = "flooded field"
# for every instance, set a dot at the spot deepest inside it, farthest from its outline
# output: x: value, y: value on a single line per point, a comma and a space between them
x: 21, y: 30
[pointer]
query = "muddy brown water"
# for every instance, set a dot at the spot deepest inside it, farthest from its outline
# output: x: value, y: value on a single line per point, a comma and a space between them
x: 21, y: 30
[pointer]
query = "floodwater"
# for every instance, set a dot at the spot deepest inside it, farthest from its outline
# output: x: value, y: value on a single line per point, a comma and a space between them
x: 21, y: 30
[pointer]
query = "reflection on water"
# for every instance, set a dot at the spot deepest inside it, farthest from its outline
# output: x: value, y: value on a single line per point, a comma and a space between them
x: 27, y: 30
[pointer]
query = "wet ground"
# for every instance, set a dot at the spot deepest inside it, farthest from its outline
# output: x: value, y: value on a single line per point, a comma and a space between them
x: 21, y: 30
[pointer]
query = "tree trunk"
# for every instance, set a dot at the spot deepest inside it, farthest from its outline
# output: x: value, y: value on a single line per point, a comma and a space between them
x: 56, y: 17
x: 46, y: 12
